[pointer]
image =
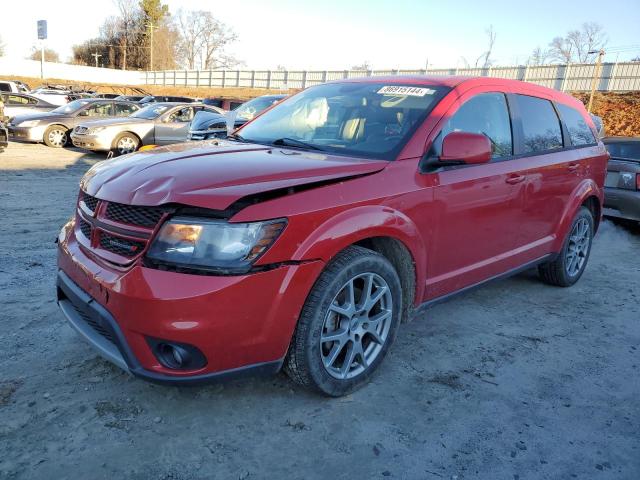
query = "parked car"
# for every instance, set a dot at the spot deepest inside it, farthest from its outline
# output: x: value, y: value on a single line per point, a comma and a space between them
x: 130, y: 98
x: 209, y: 125
x: 165, y: 99
x: 156, y: 123
x: 13, y: 86
x: 53, y: 127
x: 305, y: 239
x: 54, y: 96
x: 22, y: 103
x: 622, y: 187
x: 111, y: 96
x: 4, y: 134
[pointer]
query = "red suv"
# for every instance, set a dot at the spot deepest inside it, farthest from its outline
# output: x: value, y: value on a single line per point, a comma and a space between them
x: 304, y: 240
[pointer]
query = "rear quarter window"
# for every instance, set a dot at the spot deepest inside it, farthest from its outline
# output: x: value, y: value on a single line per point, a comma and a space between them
x: 540, y: 124
x: 579, y: 131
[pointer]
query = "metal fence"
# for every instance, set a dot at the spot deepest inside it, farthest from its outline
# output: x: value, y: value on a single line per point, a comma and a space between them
x: 572, y: 77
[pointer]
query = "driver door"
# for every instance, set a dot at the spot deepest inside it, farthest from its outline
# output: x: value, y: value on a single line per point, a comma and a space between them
x: 174, y: 126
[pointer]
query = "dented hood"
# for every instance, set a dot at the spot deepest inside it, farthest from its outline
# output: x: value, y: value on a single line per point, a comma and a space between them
x: 214, y: 174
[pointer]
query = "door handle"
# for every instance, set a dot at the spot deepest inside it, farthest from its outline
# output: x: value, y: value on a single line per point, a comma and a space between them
x: 513, y: 179
x: 572, y: 167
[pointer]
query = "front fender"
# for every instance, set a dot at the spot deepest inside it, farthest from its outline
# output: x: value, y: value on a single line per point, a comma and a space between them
x: 356, y: 224
x: 585, y: 189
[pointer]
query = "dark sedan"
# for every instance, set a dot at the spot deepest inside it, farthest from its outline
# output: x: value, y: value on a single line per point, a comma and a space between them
x: 622, y: 187
x: 53, y: 128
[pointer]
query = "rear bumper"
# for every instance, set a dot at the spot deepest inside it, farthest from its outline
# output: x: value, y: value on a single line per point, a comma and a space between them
x: 241, y: 324
x: 621, y: 203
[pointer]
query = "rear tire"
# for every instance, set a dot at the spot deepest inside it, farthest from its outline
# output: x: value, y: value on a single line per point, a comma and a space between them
x: 347, y: 324
x: 56, y: 136
x: 570, y: 264
x: 125, y: 143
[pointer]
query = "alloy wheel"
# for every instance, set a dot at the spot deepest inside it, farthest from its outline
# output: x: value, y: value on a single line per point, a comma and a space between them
x: 126, y: 145
x: 356, y: 326
x: 578, y: 247
x: 57, y: 137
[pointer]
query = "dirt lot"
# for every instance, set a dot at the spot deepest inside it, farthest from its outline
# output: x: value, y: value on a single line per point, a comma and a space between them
x: 516, y: 380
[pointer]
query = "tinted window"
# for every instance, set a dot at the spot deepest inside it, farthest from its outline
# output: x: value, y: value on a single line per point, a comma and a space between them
x: 579, y: 131
x: 540, y: 124
x: 624, y: 150
x: 16, y: 100
x: 5, y: 87
x: 124, y: 110
x: 486, y: 114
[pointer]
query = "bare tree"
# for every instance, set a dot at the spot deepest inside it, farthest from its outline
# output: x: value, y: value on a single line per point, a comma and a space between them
x: 49, y: 55
x: 1, y: 47
x: 128, y: 22
x: 362, y: 66
x: 576, y: 44
x: 203, y: 40
x: 484, y: 60
x: 538, y: 57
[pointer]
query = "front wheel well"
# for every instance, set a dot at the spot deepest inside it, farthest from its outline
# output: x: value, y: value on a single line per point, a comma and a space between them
x: 127, y: 132
x: 400, y: 257
x: 593, y: 204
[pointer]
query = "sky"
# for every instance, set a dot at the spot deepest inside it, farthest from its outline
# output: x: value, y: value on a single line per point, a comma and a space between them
x: 336, y: 34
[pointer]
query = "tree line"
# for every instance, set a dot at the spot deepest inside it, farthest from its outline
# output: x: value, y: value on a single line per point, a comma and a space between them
x: 145, y: 35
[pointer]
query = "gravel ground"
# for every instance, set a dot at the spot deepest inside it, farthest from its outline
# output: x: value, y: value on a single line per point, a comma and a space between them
x: 516, y: 380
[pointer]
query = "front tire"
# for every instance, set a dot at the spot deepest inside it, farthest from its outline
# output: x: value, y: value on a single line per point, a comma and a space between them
x: 347, y: 324
x: 56, y: 136
x: 125, y: 143
x: 570, y: 264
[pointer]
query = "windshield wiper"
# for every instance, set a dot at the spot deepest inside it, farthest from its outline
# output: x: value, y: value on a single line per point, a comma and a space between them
x: 237, y: 138
x: 292, y: 142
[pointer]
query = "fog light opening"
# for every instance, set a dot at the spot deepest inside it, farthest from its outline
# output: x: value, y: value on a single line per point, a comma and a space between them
x: 177, y: 356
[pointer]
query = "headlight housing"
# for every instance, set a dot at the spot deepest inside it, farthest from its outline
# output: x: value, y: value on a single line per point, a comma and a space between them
x: 215, y: 246
x: 29, y: 123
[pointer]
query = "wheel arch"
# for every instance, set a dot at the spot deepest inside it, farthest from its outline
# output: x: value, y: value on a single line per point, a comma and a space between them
x: 115, y: 139
x: 588, y: 194
x: 378, y: 228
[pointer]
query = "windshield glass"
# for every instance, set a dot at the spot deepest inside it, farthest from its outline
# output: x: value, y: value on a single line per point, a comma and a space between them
x: 150, y: 112
x: 624, y: 150
x: 372, y: 120
x: 71, y: 107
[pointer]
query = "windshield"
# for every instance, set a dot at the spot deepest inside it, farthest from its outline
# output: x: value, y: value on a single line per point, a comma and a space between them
x: 624, y: 150
x: 71, y: 107
x: 372, y: 120
x: 253, y: 107
x: 150, y: 112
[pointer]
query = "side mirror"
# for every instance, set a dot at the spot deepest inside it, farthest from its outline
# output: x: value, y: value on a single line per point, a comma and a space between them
x: 465, y: 148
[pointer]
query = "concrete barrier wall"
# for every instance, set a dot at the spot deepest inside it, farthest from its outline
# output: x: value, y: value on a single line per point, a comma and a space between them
x: 31, y: 68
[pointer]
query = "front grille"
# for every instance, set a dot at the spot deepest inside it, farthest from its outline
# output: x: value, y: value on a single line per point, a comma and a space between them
x: 94, y: 324
x: 89, y: 201
x: 85, y: 228
x: 120, y: 246
x: 134, y: 215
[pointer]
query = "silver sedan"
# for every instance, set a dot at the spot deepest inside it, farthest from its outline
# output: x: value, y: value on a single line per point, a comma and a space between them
x: 155, y: 124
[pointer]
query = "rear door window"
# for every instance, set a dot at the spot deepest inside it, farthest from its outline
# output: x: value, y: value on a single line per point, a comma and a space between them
x: 125, y: 109
x: 487, y: 114
x: 579, y: 131
x: 540, y: 124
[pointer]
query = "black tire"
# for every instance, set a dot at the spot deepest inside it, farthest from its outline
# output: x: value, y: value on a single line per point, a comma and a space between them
x: 304, y: 361
x: 126, y: 137
x: 56, y: 136
x: 559, y: 271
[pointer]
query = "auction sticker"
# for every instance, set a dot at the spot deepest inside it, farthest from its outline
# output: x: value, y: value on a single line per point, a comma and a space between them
x: 402, y: 90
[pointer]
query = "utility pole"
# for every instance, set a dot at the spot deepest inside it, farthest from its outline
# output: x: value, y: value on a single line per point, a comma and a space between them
x: 42, y: 59
x: 96, y: 56
x: 596, y: 75
x: 151, y: 27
